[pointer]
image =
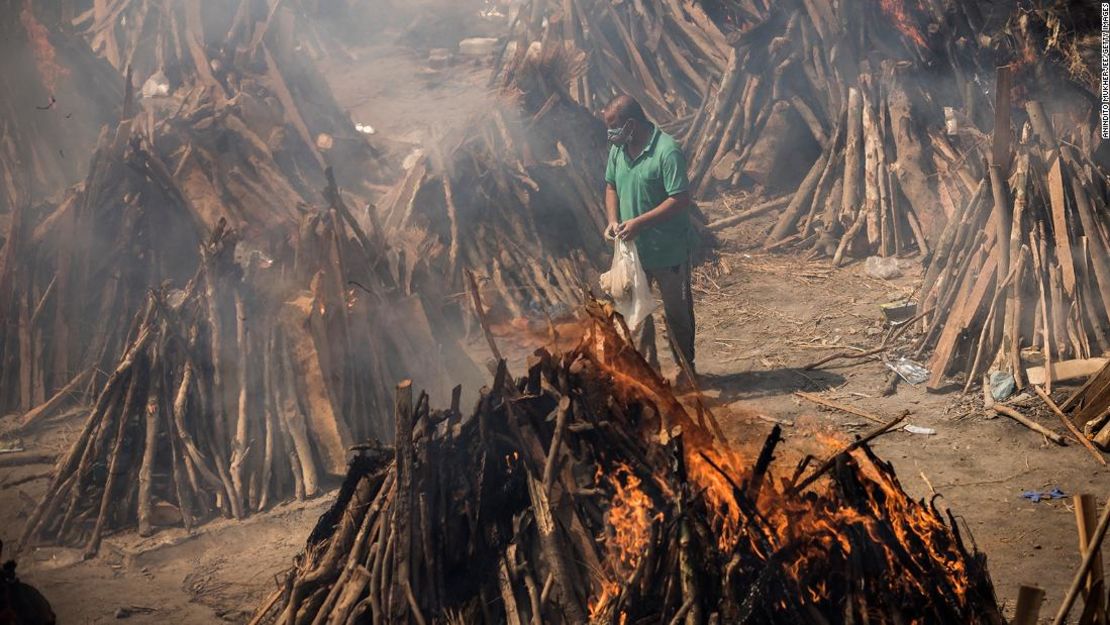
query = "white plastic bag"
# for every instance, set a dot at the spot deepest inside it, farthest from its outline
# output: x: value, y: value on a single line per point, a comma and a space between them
x: 628, y: 285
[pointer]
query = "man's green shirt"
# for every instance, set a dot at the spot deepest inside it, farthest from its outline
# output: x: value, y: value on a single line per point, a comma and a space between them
x: 642, y: 184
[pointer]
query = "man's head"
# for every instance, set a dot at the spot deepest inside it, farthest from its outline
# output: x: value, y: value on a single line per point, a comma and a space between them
x: 624, y: 117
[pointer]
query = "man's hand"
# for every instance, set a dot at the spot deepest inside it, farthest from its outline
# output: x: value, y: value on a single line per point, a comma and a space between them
x: 629, y: 229
x: 612, y: 229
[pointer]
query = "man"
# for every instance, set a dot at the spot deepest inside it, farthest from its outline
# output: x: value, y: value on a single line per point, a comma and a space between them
x: 647, y: 200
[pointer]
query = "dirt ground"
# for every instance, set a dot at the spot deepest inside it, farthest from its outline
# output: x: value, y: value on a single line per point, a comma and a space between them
x: 761, y: 319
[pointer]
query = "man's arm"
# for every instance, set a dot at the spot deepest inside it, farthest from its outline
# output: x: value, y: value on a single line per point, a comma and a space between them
x: 612, y: 208
x: 667, y: 208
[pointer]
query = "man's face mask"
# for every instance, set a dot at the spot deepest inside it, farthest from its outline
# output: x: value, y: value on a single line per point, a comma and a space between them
x: 620, y: 136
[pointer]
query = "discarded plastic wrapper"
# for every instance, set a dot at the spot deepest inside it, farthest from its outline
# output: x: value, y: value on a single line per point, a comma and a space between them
x: 628, y: 285
x: 909, y: 370
x: 915, y: 429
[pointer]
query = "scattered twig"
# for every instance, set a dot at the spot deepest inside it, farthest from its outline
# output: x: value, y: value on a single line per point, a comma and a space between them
x: 828, y: 403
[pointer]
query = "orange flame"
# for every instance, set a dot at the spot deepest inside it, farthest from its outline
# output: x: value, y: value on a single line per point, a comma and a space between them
x: 816, y: 528
x: 38, y: 37
x: 896, y: 11
x: 630, y: 518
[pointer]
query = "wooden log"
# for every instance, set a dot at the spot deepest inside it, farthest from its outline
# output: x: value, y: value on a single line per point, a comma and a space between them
x: 872, y: 207
x: 853, y: 163
x: 802, y: 197
x: 305, y: 464
x: 43, y: 411
x: 912, y: 166
x: 21, y: 460
x: 403, y: 504
x: 1042, y: 125
x: 755, y: 211
x: 240, y: 447
x: 69, y: 466
x: 130, y: 407
x: 1092, y: 553
x: 554, y: 554
x: 721, y: 106
x: 1032, y: 425
x: 960, y: 316
x: 1099, y: 255
x: 1086, y: 519
x: 1069, y: 425
x: 999, y: 168
x: 828, y: 464
x: 1010, y: 352
x: 1028, y: 608
x: 1066, y: 370
x: 150, y: 448
x: 326, y: 425
x: 848, y: 238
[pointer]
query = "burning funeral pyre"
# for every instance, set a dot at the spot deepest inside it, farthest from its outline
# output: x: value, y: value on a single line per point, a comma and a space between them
x: 585, y: 492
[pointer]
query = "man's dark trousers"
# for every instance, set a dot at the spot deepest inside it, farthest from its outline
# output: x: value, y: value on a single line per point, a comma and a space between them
x: 678, y: 308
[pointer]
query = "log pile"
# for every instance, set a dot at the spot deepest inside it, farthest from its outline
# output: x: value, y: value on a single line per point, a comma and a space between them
x: 232, y: 333
x: 229, y: 48
x: 585, y: 492
x: 514, y: 197
x: 153, y: 190
x: 664, y: 54
x: 831, y: 102
x: 244, y: 388
x: 1022, y: 273
x: 1089, y: 407
x: 229, y: 140
x: 54, y: 96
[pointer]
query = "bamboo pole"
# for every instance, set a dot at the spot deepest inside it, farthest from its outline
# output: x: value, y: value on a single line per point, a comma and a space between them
x: 1092, y: 554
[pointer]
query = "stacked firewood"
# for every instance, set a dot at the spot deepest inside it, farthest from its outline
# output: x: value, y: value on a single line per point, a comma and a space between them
x: 228, y: 138
x: 245, y: 387
x: 585, y: 492
x: 1090, y: 408
x: 831, y: 103
x: 514, y: 197
x: 229, y: 48
x: 1022, y: 273
x: 54, y: 96
x: 665, y: 54
x: 153, y: 190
